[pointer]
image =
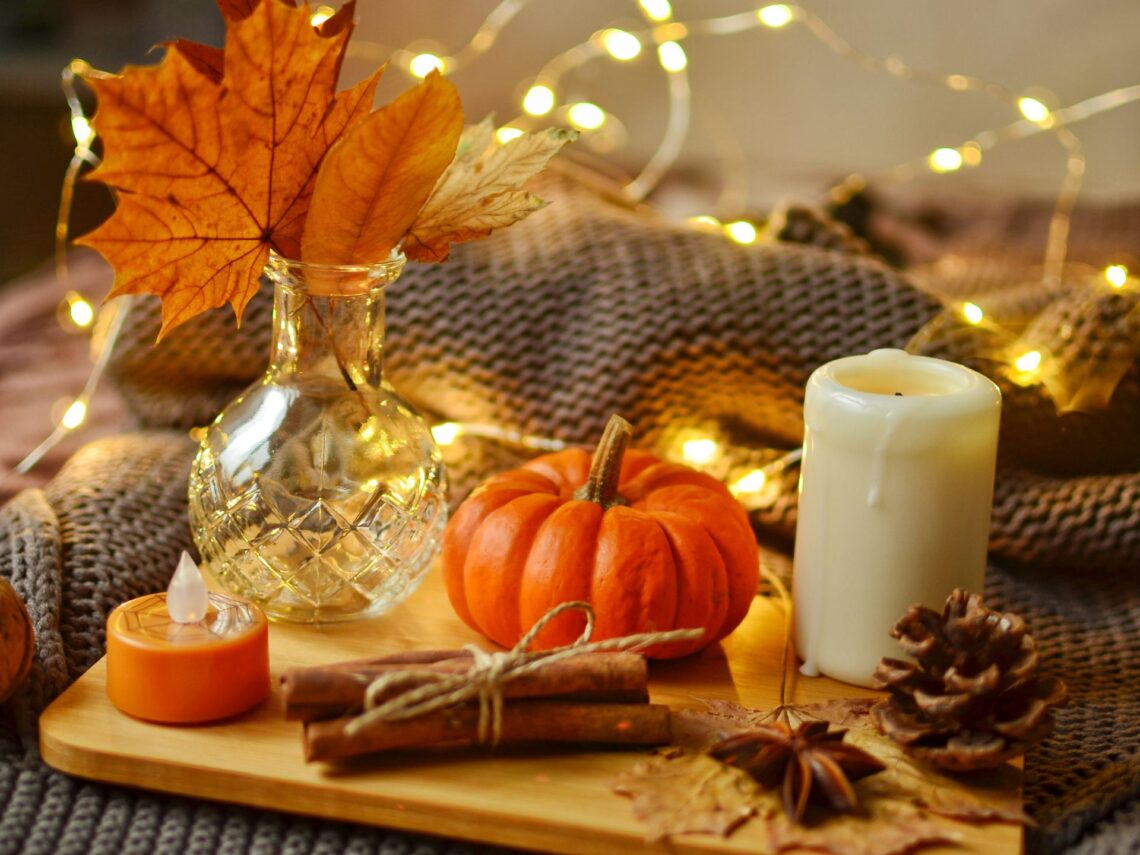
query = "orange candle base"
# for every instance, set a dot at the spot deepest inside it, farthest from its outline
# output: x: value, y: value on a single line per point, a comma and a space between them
x: 184, y: 673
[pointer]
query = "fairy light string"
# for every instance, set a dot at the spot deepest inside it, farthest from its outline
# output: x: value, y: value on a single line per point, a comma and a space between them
x: 667, y: 36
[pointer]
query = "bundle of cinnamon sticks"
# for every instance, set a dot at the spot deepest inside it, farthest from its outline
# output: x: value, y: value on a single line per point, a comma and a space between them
x: 594, y: 697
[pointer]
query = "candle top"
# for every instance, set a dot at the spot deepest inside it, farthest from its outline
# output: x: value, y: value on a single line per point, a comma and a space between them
x: 149, y: 621
x: 876, y: 393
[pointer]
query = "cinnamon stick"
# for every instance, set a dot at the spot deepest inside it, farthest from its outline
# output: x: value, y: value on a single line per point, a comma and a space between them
x: 325, y: 692
x: 527, y: 721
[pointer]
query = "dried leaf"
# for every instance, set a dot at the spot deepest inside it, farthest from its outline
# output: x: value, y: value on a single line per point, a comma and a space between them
x: 683, y: 793
x: 886, y: 829
x: 374, y: 182
x: 212, y: 173
x: 206, y: 60
x: 479, y: 192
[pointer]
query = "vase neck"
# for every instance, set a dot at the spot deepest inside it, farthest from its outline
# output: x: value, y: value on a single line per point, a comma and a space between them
x: 328, y: 321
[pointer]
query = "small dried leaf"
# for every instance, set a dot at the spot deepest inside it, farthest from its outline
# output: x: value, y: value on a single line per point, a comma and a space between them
x: 479, y: 192
x: 887, y: 829
x: 374, y: 181
x: 689, y: 793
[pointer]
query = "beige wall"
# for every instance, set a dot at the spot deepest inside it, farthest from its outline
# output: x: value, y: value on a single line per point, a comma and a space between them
x: 802, y: 116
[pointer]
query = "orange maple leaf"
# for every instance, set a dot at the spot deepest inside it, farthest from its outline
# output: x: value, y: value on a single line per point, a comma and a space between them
x: 214, y: 157
x: 374, y: 181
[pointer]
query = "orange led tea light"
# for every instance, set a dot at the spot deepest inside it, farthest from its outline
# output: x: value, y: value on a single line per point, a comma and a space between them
x: 189, y: 655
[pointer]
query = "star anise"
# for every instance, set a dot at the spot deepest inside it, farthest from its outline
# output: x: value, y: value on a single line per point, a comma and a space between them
x: 811, y: 763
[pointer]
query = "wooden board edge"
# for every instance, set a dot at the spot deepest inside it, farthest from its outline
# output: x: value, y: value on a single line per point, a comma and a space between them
x: 209, y: 783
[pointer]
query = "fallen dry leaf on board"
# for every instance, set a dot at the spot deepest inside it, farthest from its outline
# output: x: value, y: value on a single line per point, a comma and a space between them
x: 898, y: 801
x: 681, y: 793
x: 479, y: 191
x: 377, y: 178
x: 211, y: 172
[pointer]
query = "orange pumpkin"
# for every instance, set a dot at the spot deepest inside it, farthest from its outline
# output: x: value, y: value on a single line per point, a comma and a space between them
x: 652, y: 545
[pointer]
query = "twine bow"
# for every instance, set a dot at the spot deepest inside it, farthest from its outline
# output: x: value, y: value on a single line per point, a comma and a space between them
x: 488, y: 673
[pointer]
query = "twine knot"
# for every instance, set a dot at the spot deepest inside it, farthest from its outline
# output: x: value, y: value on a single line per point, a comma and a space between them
x: 488, y: 673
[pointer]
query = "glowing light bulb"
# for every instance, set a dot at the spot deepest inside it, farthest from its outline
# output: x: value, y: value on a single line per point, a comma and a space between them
x: 81, y: 312
x: 1034, y: 110
x: 1116, y: 275
x: 700, y: 451
x: 971, y: 153
x: 506, y: 133
x: 943, y: 160
x: 741, y: 231
x: 539, y: 100
x: 1028, y: 361
x: 775, y: 16
x: 74, y: 415
x: 586, y: 116
x: 973, y: 313
x: 321, y: 14
x: 423, y: 64
x: 672, y: 57
x: 187, y: 599
x: 445, y: 433
x: 82, y: 131
x: 656, y: 10
x: 620, y: 45
x: 753, y: 482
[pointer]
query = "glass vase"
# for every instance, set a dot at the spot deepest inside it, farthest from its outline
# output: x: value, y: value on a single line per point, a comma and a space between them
x: 319, y: 493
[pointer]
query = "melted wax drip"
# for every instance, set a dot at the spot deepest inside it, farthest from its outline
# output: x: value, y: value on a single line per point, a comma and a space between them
x: 187, y: 598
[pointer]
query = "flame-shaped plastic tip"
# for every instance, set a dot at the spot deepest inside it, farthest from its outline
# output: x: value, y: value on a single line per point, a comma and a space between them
x: 187, y: 598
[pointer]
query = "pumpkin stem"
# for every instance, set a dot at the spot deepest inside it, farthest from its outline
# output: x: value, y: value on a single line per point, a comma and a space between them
x: 605, y: 470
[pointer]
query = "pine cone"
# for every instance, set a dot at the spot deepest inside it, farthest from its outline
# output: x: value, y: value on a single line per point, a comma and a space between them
x: 973, y: 700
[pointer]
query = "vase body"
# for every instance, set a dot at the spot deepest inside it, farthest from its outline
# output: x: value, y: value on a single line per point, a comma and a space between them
x: 319, y: 493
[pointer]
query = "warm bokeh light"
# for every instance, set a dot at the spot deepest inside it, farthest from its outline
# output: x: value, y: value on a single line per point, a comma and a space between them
x: 321, y: 14
x: 1116, y: 275
x: 539, y: 100
x: 945, y: 160
x: 506, y: 133
x: 971, y: 153
x: 776, y: 15
x: 958, y: 82
x: 620, y: 45
x: 753, y: 482
x: 700, y: 450
x: 445, y: 433
x: 656, y: 10
x: 1028, y: 361
x: 672, y: 57
x: 586, y: 116
x: 74, y: 415
x: 423, y: 64
x: 741, y: 231
x: 82, y: 313
x: 973, y: 313
x: 1034, y: 110
x: 82, y: 131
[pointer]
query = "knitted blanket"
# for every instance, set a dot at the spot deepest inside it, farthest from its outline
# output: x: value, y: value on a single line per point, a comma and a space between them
x: 587, y: 309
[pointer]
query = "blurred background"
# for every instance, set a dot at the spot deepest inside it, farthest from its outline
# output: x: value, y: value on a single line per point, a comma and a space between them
x: 774, y: 113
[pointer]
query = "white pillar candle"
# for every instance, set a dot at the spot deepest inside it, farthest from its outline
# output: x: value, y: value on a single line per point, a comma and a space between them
x: 896, y: 491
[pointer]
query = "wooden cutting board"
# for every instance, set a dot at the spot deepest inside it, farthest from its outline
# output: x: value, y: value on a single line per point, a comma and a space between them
x: 557, y: 800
